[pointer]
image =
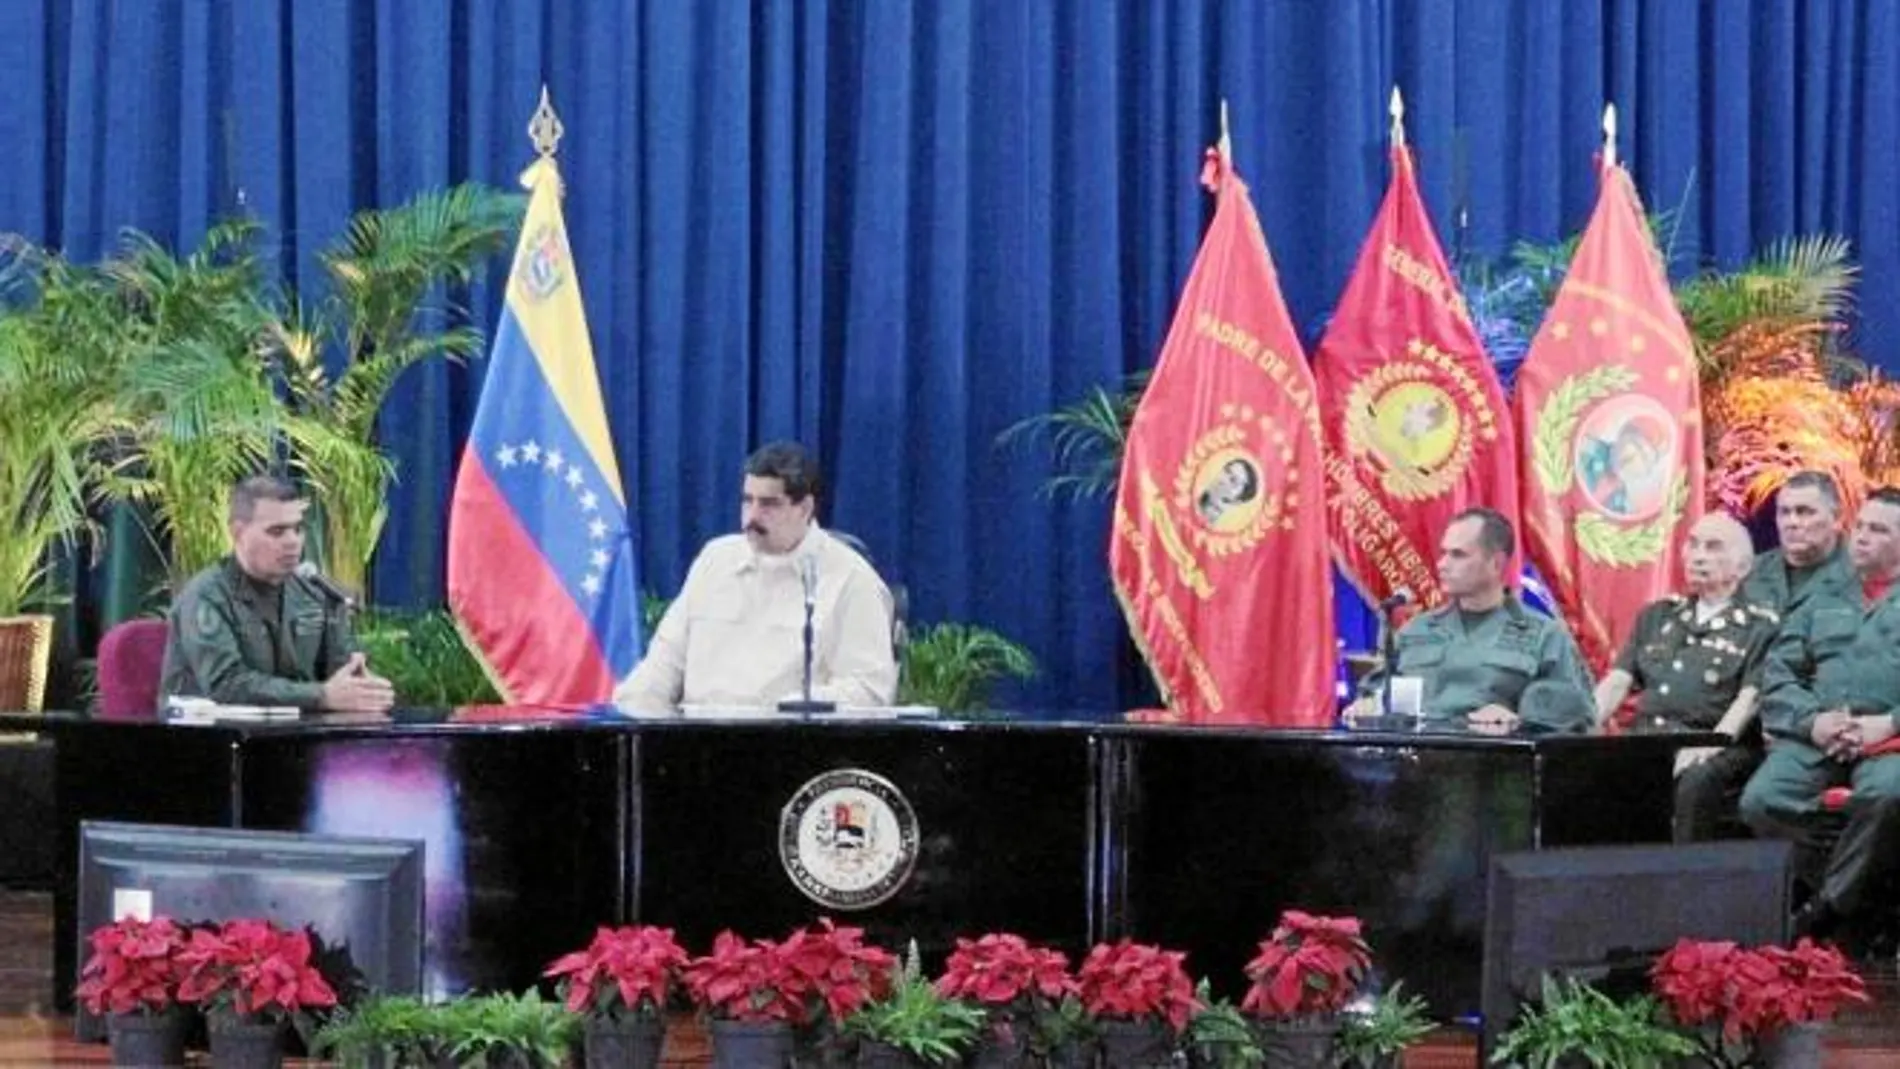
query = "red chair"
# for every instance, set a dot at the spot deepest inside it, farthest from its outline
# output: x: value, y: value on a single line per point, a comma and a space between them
x: 131, y: 660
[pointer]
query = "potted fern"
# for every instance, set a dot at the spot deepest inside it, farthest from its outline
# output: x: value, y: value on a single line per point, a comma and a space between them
x: 1574, y: 1025
x: 954, y: 667
x: 1220, y: 1036
x: 1374, y: 1037
x: 382, y: 1032
x: 914, y: 1025
x: 505, y: 1031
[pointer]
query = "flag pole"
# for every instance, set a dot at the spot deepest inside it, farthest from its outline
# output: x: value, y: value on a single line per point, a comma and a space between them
x: 1396, y: 109
x: 1609, y: 135
x: 1226, y: 146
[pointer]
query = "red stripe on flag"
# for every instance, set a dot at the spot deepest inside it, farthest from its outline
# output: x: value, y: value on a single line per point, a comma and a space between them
x: 513, y: 604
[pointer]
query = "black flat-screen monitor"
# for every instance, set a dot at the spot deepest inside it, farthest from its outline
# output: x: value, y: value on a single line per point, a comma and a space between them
x: 1603, y: 914
x: 361, y: 893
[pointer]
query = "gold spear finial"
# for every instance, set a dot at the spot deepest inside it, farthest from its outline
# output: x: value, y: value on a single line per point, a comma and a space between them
x: 544, y: 128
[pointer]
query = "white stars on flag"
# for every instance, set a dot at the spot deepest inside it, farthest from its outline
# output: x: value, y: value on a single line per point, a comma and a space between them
x: 569, y: 480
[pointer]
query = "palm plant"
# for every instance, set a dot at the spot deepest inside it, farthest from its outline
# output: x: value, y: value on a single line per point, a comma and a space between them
x: 954, y: 666
x: 55, y: 395
x: 387, y: 312
x: 1087, y: 437
x: 195, y: 409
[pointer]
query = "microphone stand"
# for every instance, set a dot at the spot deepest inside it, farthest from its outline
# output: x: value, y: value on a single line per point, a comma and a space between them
x: 1389, y: 651
x: 806, y: 705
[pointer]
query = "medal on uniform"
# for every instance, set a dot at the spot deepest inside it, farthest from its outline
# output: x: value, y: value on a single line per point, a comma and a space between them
x: 1717, y: 624
x: 1711, y: 677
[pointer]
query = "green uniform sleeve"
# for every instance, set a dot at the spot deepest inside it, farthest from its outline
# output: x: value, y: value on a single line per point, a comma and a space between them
x: 206, y: 630
x: 1563, y: 661
x: 1788, y: 703
x: 339, y: 642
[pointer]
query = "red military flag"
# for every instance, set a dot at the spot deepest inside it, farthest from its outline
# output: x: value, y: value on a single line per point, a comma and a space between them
x: 1219, y: 552
x: 1611, y: 427
x: 1415, y: 421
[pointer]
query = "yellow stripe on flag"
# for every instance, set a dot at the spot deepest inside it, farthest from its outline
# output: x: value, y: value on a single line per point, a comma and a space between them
x: 545, y: 295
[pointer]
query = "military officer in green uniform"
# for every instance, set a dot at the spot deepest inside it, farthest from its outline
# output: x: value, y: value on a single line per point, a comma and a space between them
x: 1829, y: 693
x: 1812, y: 561
x: 250, y: 631
x: 1484, y: 660
x: 1695, y: 663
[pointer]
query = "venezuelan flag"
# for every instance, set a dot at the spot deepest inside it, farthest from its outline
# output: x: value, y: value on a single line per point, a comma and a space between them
x: 542, y: 571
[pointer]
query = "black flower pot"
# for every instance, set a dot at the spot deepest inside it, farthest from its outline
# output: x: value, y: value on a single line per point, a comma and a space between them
x: 1796, y: 1046
x: 875, y: 1055
x: 1299, y: 1043
x: 247, y: 1045
x: 154, y: 1039
x: 1073, y: 1056
x: 998, y: 1052
x: 625, y: 1044
x: 751, y: 1045
x: 1135, y: 1044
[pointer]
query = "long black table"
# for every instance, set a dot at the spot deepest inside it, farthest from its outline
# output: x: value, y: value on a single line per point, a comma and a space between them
x: 539, y: 826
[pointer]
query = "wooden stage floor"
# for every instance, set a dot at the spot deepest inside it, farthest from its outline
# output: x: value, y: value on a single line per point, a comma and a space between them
x: 1869, y: 1038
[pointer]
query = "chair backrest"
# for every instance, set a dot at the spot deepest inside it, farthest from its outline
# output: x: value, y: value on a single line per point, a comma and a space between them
x: 131, y: 659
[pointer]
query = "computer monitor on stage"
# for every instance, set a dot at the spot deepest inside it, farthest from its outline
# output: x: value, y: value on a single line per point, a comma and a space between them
x: 360, y: 893
x: 1603, y: 914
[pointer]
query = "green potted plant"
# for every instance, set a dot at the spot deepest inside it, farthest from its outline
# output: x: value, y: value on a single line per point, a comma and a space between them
x: 620, y: 984
x: 1306, y: 972
x: 506, y: 1031
x: 1574, y: 1025
x: 424, y: 656
x: 1064, y: 1035
x: 1219, y: 1036
x: 913, y: 1025
x: 954, y: 666
x: 131, y: 978
x: 385, y: 314
x: 382, y: 1032
x: 1014, y: 983
x: 55, y: 410
x: 1376, y: 1036
x: 1141, y: 999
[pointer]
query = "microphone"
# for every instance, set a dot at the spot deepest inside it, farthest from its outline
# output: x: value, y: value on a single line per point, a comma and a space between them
x: 808, y: 578
x: 1399, y: 599
x: 308, y: 572
x: 1389, y: 645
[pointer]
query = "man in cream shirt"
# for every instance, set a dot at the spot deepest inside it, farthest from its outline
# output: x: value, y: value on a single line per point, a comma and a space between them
x: 735, y: 635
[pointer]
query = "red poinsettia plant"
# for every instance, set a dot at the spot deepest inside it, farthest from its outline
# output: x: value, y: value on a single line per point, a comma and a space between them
x: 624, y: 973
x: 254, y: 970
x: 1310, y: 966
x: 1014, y: 981
x: 834, y: 971
x: 1739, y: 997
x: 133, y: 967
x: 744, y: 981
x: 1136, y: 981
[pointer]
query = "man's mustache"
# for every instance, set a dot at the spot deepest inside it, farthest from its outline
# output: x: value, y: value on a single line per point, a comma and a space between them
x: 753, y: 528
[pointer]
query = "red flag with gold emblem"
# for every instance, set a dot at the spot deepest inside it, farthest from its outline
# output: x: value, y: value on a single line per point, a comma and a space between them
x: 1415, y: 421
x: 1219, y: 551
x: 1611, y: 428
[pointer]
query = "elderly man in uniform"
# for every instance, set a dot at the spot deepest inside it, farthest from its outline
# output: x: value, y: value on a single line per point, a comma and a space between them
x: 734, y: 636
x: 1696, y: 662
x: 1484, y: 660
x: 250, y: 631
x: 1812, y: 560
x: 1829, y: 694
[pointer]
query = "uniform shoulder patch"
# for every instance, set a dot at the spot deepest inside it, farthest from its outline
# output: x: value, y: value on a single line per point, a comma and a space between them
x: 205, y: 620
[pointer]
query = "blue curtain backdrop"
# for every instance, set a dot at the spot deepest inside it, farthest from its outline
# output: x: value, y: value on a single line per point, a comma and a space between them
x: 892, y: 229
